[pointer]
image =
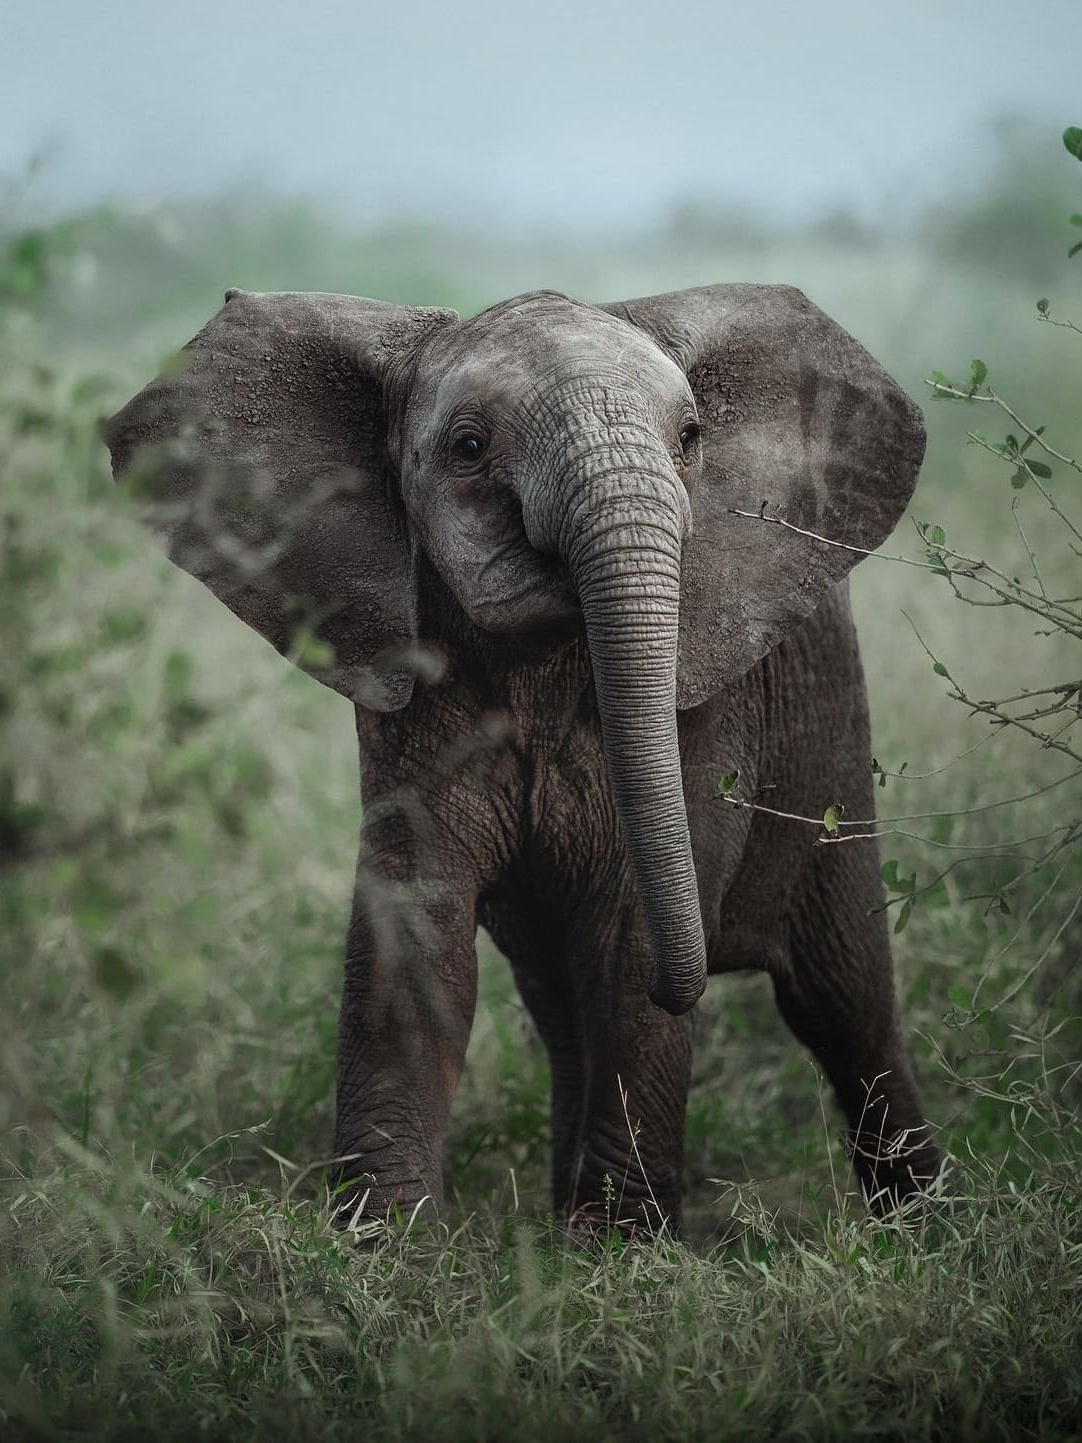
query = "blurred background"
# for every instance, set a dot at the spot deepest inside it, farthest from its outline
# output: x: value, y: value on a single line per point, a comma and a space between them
x: 178, y: 808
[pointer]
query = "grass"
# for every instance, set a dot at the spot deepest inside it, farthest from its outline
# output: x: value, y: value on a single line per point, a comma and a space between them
x: 178, y: 814
x: 184, y: 1308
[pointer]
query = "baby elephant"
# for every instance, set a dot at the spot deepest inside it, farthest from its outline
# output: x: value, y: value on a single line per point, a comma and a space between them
x: 572, y: 564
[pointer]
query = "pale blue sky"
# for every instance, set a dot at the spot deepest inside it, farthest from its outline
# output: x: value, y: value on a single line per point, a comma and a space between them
x: 566, y: 111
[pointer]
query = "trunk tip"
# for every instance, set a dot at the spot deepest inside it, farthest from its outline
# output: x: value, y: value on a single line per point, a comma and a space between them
x: 675, y: 999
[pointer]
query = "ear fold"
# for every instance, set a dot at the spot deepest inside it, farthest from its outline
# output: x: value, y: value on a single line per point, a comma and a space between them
x: 262, y: 454
x: 797, y: 422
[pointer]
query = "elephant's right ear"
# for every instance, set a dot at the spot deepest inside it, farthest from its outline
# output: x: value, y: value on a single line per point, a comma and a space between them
x: 261, y: 456
x: 799, y: 424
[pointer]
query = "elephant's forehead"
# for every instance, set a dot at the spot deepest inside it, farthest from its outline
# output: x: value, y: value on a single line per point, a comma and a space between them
x: 509, y: 352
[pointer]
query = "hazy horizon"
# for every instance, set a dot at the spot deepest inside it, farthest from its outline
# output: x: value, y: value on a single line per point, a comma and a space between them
x: 604, y: 115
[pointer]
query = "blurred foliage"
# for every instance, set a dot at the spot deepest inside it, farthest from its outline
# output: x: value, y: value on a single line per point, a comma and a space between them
x: 113, y: 273
x: 1010, y: 220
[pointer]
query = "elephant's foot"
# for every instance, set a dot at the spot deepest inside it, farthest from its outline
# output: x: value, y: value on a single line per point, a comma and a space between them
x: 640, y: 1218
x: 893, y: 1170
x: 608, y: 1202
x: 365, y: 1202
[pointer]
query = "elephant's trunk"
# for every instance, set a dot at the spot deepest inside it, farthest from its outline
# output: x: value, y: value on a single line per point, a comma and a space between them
x: 624, y: 555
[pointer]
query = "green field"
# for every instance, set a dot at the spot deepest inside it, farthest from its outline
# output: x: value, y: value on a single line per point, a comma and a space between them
x: 178, y: 816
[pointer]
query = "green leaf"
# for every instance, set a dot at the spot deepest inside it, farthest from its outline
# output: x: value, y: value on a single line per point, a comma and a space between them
x: 936, y: 535
x: 176, y: 677
x: 1075, y: 219
x: 940, y: 669
x: 313, y: 653
x: 904, y: 916
x: 1074, y: 250
x: 1040, y: 469
x: 831, y: 817
x: 978, y: 373
x: 960, y: 997
x: 893, y: 882
x: 91, y: 388
x: 123, y: 627
x: 175, y: 364
x: 1019, y: 479
x: 1072, y: 139
x: 96, y: 905
x: 1042, y: 305
x: 727, y: 783
x: 114, y: 973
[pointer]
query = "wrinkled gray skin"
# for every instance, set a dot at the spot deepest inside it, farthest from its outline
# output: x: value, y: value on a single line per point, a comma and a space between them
x: 519, y: 534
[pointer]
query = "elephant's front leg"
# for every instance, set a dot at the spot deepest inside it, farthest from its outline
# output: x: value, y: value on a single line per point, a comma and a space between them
x: 628, y: 1165
x: 407, y: 1009
x: 620, y: 1066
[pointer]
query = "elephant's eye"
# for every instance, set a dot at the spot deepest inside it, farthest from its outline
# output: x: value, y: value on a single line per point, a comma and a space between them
x: 469, y: 446
x: 689, y: 434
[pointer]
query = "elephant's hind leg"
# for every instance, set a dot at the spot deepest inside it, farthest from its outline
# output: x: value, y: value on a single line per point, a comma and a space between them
x: 837, y: 995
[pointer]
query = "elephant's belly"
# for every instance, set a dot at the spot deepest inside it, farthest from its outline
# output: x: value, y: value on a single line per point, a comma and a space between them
x: 751, y: 868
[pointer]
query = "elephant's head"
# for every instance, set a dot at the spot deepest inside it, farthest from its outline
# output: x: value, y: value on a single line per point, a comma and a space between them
x: 552, y: 459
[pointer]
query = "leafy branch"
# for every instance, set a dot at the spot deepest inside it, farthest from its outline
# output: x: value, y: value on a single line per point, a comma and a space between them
x: 1047, y: 715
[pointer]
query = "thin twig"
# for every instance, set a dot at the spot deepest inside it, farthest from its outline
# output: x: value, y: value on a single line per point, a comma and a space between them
x: 997, y: 400
x: 1029, y: 549
x: 1019, y: 462
x: 889, y: 821
x: 775, y: 520
x: 1018, y: 932
x: 992, y: 710
x: 1066, y: 325
x: 1034, y: 435
x: 907, y: 776
x: 1015, y: 593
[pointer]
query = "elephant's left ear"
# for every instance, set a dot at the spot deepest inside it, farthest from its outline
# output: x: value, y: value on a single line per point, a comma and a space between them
x: 800, y: 424
x: 261, y: 458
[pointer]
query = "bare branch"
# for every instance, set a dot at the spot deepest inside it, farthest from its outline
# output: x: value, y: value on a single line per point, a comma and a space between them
x: 775, y: 520
x: 1065, y: 325
x: 1029, y: 549
x: 1018, y: 932
x: 913, y: 817
x: 907, y: 776
x: 993, y: 712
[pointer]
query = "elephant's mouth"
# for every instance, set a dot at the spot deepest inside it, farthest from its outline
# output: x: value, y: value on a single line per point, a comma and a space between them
x: 516, y: 590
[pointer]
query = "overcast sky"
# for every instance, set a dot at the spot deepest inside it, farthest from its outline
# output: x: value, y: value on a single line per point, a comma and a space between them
x: 568, y: 111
